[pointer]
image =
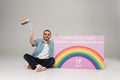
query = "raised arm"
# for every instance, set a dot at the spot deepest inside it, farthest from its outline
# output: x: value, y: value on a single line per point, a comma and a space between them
x: 32, y: 41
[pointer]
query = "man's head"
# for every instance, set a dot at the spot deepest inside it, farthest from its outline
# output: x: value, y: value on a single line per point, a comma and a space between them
x: 46, y: 35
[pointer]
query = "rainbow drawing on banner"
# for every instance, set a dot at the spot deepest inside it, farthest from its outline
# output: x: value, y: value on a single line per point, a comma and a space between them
x: 25, y: 21
x: 81, y: 51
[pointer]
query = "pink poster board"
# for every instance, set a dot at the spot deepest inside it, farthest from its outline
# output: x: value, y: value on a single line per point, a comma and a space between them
x: 79, y: 52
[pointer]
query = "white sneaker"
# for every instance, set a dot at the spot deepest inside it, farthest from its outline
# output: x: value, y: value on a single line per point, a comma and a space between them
x: 40, y: 68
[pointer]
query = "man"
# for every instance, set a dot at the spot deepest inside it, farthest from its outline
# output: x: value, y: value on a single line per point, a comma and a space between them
x: 42, y: 56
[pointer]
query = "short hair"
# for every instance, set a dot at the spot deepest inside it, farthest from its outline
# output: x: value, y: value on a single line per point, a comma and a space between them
x: 47, y: 30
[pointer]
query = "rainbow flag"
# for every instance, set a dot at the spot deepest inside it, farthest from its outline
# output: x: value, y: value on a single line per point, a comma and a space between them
x: 25, y: 21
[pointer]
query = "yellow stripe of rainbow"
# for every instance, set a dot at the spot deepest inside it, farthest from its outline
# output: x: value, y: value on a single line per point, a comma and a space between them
x: 86, y: 52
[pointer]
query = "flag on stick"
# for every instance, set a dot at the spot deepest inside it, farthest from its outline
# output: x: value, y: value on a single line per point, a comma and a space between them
x: 25, y: 21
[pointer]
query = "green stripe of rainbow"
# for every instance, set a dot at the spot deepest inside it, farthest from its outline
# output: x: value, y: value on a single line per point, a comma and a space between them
x: 82, y: 51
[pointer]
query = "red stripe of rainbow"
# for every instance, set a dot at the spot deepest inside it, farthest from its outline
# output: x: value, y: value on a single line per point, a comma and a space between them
x: 82, y: 51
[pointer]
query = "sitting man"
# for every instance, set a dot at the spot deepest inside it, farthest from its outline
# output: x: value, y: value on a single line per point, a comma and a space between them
x: 42, y: 56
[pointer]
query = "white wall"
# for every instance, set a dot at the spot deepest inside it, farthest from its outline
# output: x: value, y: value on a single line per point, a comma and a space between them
x: 74, y: 17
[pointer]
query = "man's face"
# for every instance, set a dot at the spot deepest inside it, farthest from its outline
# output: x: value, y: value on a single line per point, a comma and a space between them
x: 46, y: 35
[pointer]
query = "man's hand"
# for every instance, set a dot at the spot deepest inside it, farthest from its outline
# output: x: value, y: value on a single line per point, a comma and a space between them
x: 31, y: 33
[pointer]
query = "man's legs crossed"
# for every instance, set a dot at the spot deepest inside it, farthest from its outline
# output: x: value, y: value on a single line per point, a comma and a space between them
x: 32, y: 61
x: 39, y: 64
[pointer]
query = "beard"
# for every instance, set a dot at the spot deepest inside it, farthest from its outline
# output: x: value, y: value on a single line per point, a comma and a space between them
x: 46, y: 38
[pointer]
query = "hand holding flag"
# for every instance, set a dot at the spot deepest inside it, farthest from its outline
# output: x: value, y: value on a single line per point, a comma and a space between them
x: 31, y: 33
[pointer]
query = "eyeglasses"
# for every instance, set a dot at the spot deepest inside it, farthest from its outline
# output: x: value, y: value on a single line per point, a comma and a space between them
x: 46, y: 34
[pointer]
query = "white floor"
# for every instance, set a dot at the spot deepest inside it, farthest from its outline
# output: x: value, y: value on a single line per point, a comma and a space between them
x: 13, y: 68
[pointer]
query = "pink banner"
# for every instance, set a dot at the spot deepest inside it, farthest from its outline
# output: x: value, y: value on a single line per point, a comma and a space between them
x: 79, y: 52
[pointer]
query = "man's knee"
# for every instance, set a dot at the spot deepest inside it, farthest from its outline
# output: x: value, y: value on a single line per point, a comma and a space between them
x: 26, y: 56
x: 52, y: 60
